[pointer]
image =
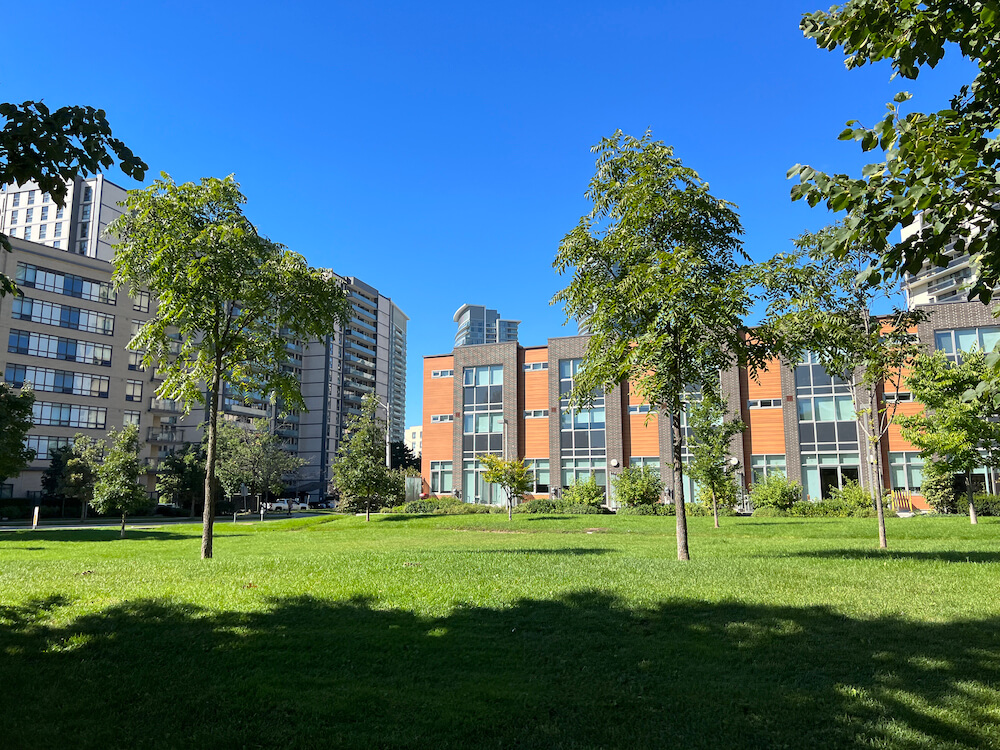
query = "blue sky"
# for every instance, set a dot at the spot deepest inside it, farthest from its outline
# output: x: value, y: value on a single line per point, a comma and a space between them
x: 440, y: 151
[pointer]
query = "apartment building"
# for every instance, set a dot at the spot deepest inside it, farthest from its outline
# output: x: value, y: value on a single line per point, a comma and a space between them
x: 511, y: 400
x: 79, y: 227
x: 480, y: 325
x: 414, y: 439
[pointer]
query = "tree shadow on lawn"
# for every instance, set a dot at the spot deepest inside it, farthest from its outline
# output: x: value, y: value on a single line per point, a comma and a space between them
x: 951, y: 556
x: 583, y: 671
x: 109, y: 534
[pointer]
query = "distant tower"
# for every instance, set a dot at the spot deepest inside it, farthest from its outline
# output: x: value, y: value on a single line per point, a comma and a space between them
x: 478, y: 325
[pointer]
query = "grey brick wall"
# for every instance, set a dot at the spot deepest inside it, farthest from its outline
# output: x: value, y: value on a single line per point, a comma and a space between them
x: 954, y: 315
x: 790, y: 418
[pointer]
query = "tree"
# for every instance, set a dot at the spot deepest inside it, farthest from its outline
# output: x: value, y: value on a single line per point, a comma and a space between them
x: 181, y: 478
x: 655, y: 272
x: 820, y: 305
x: 117, y: 489
x: 15, y: 421
x: 402, y: 457
x: 231, y: 295
x: 709, y: 443
x: 958, y: 430
x: 638, y: 485
x: 360, y: 471
x: 78, y: 480
x: 513, y: 477
x: 55, y: 474
x: 943, y: 163
x: 52, y: 147
x: 254, y: 457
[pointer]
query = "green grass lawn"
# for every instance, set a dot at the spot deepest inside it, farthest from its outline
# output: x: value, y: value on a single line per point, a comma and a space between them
x: 470, y: 631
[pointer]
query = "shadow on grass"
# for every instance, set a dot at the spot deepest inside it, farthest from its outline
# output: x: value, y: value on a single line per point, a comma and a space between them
x: 583, y: 671
x: 951, y: 556
x: 110, y: 534
x: 540, y: 551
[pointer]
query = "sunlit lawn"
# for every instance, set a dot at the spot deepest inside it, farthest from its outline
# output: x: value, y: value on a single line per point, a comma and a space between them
x: 471, y: 631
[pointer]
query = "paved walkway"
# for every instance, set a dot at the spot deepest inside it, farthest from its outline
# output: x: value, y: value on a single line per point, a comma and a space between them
x: 139, y: 523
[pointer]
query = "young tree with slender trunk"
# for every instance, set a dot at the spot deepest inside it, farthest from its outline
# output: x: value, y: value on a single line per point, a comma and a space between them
x: 513, y: 477
x: 181, y: 479
x: 117, y: 489
x: 231, y: 295
x: 253, y: 456
x: 659, y: 273
x: 958, y: 430
x: 710, y: 438
x: 15, y: 422
x: 360, y: 471
x: 823, y: 306
x: 78, y: 480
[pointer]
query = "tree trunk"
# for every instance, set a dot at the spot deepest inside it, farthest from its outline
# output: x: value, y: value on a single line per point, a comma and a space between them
x: 208, y: 512
x: 510, y: 507
x: 715, y: 509
x: 973, y: 516
x: 678, y: 468
x: 123, y: 525
x: 368, y: 509
x: 83, y: 509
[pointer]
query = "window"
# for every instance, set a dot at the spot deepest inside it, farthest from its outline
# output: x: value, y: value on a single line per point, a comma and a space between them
x: 762, y: 466
x: 72, y: 286
x: 13, y: 217
x: 135, y: 362
x: 17, y: 199
x: 133, y: 390
x: 639, y: 461
x: 898, y: 397
x: 581, y: 434
x: 42, y: 231
x: 57, y: 347
x: 31, y: 197
x: 442, y: 373
x: 442, y: 418
x: 641, y: 409
x: 58, y: 381
x: 81, y: 247
x: 27, y: 233
x: 131, y: 417
x: 140, y: 302
x: 482, y: 411
x: 6, y: 491
x: 54, y: 314
x: 85, y: 213
x: 48, y: 413
x: 764, y: 403
x: 535, y: 366
x: 57, y: 230
x: 59, y: 212
x: 88, y: 194
x: 57, y: 244
x: 45, y: 213
x: 539, y: 469
x: 827, y: 421
x: 46, y: 198
x: 536, y: 414
x: 43, y: 445
x: 29, y: 215
x: 581, y: 469
x: 955, y: 341
x: 824, y: 472
x: 906, y: 471
x: 84, y: 228
x: 441, y: 476
x: 475, y: 489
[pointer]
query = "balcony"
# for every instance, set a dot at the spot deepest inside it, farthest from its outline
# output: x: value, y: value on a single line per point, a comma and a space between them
x: 244, y: 410
x: 162, y: 435
x: 166, y: 404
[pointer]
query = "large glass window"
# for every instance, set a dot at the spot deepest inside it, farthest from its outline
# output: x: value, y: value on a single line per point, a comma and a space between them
x: 58, y: 381
x: 441, y: 476
x: 637, y: 462
x: 581, y: 434
x: 57, y: 347
x: 475, y: 489
x: 765, y: 465
x: 957, y: 340
x: 824, y: 472
x: 906, y: 471
x: 581, y: 469
x: 64, y: 316
x: 482, y: 410
x: 539, y: 468
x: 47, y: 413
x: 43, y: 445
x: 35, y: 277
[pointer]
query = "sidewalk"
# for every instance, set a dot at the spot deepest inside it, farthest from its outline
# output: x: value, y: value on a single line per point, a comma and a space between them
x: 140, y: 522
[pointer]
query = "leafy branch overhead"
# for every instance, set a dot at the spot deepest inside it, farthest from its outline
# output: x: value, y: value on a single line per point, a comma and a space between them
x: 942, y: 164
x: 52, y: 147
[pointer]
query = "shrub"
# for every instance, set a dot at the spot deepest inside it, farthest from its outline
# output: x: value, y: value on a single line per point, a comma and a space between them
x: 538, y: 505
x: 857, y: 502
x: 588, y: 492
x: 420, y: 506
x: 775, y: 491
x: 938, y: 488
x: 13, y: 511
x: 638, y: 485
x: 987, y: 505
x: 725, y: 498
x: 579, y: 509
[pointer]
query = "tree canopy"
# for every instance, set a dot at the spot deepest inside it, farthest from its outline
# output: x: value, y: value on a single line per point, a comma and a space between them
x: 658, y: 271
x: 941, y: 163
x: 359, y: 472
x: 255, y: 457
x: 15, y: 421
x: 117, y: 489
x: 228, y: 300
x: 958, y: 430
x: 51, y: 147
x: 181, y: 476
x: 512, y: 475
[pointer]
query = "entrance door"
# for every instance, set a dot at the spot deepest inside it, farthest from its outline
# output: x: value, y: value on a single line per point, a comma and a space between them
x: 829, y: 479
